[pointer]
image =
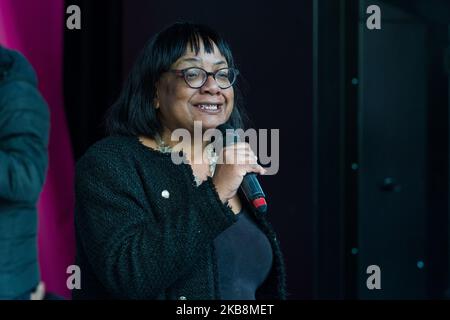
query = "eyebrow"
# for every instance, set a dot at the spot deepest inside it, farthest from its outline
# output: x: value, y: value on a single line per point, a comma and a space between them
x: 193, y: 59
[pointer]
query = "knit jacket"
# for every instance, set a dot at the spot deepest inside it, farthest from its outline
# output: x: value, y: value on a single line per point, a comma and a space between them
x: 144, y: 230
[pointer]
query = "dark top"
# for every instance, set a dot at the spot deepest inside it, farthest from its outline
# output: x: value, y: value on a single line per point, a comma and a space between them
x: 244, y: 258
x: 144, y: 230
x: 24, y: 130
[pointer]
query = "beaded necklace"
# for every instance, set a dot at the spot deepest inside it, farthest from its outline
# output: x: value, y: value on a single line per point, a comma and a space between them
x: 210, y: 152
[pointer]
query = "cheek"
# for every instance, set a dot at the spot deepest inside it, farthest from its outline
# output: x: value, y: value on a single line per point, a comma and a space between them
x: 230, y: 99
x: 177, y: 96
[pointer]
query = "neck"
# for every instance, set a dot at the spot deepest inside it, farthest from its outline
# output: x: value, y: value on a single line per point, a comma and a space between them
x: 193, y: 151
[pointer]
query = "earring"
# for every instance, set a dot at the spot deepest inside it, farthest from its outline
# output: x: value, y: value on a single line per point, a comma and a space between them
x: 156, y: 101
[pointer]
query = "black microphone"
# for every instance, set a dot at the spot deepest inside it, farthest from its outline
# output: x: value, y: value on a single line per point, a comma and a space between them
x: 250, y: 185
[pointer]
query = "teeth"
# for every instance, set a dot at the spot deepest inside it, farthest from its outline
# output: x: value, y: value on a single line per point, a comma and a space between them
x: 208, y: 106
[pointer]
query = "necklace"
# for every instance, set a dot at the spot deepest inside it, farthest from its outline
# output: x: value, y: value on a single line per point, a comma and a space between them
x: 210, y: 153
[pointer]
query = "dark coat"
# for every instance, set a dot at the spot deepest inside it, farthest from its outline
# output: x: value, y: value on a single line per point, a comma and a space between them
x: 24, y: 130
x: 144, y: 230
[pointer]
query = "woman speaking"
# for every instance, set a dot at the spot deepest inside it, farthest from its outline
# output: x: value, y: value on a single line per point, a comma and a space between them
x: 148, y: 228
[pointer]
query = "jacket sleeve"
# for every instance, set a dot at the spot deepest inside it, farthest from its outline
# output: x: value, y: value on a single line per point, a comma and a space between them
x: 24, y: 126
x: 134, y: 254
x: 274, y: 287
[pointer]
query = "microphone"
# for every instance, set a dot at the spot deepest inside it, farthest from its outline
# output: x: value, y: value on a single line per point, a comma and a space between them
x: 250, y: 185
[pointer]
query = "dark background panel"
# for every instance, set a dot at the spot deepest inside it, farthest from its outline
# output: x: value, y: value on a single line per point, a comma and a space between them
x: 335, y: 161
x: 92, y: 69
x: 380, y: 122
x: 392, y: 210
x: 437, y: 159
x: 447, y: 177
x: 403, y: 180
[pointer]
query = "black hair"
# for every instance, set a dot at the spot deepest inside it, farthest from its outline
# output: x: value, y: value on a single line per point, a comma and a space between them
x: 134, y: 113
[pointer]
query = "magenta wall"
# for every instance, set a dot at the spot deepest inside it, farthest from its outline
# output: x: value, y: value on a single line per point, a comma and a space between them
x: 35, y: 28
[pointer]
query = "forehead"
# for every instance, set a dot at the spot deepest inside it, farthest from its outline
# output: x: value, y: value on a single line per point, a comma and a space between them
x: 214, y: 57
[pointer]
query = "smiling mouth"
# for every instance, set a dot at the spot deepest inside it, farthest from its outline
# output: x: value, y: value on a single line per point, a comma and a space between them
x: 209, y: 108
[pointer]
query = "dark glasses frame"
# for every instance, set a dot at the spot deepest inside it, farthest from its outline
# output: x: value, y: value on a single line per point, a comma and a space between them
x: 182, y: 73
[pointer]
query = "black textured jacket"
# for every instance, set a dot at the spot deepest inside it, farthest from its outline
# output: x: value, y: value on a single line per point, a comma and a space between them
x: 144, y: 230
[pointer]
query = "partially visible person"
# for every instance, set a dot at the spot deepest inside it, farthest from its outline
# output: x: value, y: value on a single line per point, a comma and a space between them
x: 24, y: 133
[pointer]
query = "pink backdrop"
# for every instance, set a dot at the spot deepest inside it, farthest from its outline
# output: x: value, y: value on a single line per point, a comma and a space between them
x: 35, y: 28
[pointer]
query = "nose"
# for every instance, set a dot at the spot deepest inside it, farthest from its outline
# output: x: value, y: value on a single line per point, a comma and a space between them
x: 210, y: 86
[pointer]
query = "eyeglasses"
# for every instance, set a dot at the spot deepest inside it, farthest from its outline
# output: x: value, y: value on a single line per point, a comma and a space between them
x: 196, y: 77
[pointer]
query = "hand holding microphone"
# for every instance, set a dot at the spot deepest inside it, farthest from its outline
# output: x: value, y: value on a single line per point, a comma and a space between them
x: 238, y: 169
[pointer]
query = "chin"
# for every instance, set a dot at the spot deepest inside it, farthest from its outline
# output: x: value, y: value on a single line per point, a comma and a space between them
x: 211, y: 123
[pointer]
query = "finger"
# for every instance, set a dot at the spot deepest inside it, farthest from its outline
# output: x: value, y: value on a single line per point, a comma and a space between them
x: 256, y: 169
x: 247, y: 159
x: 242, y: 157
x: 238, y: 146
